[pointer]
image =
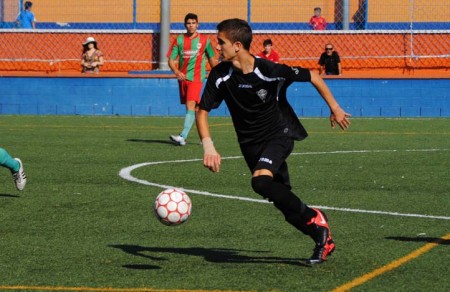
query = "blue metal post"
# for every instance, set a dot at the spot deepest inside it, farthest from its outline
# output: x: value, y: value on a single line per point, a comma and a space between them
x: 366, y: 13
x: 249, y: 11
x: 345, y: 14
x: 2, y: 12
x: 134, y: 13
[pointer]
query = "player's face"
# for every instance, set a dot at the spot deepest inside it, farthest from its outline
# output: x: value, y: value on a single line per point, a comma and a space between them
x: 191, y: 26
x: 226, y: 48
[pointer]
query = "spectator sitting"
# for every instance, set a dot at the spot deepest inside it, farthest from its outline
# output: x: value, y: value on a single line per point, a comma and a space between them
x: 268, y: 52
x: 330, y: 62
x: 317, y: 22
x: 92, y: 57
x: 26, y: 18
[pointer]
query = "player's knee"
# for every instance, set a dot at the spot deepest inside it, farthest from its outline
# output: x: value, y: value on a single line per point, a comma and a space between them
x: 261, y: 184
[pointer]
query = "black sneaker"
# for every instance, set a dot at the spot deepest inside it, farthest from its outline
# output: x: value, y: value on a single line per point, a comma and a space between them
x: 321, y: 234
x: 321, y: 252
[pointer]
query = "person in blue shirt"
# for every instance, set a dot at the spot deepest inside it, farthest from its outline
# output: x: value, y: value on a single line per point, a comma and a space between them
x: 26, y: 18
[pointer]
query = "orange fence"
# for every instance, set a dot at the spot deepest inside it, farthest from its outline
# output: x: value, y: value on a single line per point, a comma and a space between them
x: 405, y: 35
x: 49, y: 52
x: 59, y: 52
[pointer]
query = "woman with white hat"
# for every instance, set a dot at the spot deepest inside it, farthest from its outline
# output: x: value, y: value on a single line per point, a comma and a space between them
x: 92, y: 57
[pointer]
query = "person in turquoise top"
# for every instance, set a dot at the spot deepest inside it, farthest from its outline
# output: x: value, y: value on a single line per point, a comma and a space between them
x: 192, y: 50
x: 15, y: 166
x: 26, y: 18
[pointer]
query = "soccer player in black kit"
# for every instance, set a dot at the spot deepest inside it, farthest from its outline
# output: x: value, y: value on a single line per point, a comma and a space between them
x: 254, y: 90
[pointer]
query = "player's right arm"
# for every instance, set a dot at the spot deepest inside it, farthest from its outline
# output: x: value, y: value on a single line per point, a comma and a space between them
x: 211, y: 158
x: 172, y: 55
x: 174, y: 68
x: 211, y: 99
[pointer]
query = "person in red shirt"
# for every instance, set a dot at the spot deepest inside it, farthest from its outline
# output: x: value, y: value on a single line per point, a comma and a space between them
x: 268, y: 52
x: 317, y: 22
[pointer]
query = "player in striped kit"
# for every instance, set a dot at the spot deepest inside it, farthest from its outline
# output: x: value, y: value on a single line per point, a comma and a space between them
x: 192, y: 50
x: 15, y: 165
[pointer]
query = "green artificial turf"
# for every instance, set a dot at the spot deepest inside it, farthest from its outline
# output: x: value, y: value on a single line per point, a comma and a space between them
x: 79, y: 224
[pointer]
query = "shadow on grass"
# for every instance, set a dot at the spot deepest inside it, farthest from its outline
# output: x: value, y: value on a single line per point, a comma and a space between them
x: 213, y: 255
x: 151, y: 141
x: 9, y: 196
x: 421, y: 239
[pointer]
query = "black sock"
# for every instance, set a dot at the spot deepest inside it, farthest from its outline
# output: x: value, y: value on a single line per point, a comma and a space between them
x: 294, y: 210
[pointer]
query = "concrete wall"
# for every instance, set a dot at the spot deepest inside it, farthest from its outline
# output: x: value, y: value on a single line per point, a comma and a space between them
x: 159, y: 97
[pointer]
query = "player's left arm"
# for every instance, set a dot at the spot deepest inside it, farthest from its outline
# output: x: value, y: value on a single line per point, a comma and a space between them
x: 212, y: 62
x: 210, y: 53
x: 338, y: 115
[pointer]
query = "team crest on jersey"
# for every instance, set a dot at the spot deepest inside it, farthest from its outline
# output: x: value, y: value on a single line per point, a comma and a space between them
x: 262, y: 93
x: 199, y: 46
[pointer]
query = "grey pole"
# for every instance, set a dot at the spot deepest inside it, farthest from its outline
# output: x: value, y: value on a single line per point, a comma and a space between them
x: 345, y: 15
x: 164, y: 35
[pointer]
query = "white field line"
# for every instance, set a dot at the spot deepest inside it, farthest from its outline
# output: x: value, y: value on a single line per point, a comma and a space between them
x: 125, y: 173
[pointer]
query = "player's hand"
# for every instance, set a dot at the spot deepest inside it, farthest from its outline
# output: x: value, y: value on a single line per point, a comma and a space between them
x: 340, y: 117
x: 180, y: 76
x: 212, y: 161
x: 211, y: 158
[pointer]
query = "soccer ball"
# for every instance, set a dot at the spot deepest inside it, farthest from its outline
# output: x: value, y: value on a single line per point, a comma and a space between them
x: 172, y: 207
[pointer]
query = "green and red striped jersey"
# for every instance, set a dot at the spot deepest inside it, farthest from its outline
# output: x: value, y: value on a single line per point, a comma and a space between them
x: 193, y: 54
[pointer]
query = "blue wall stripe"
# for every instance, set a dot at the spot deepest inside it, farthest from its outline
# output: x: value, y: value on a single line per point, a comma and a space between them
x: 159, y: 97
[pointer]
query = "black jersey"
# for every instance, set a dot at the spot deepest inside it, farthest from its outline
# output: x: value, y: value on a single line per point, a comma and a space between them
x: 257, y: 101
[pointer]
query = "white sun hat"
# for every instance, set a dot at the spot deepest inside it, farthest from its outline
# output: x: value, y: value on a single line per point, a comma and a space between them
x: 89, y: 40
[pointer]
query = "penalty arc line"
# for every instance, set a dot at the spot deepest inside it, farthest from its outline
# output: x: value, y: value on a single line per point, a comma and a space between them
x: 125, y: 173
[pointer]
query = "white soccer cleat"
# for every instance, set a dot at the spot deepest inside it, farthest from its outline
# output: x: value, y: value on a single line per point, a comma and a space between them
x: 20, y: 179
x: 178, y: 140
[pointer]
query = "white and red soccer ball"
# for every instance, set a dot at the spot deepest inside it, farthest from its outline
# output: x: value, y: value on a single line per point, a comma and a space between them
x: 172, y: 207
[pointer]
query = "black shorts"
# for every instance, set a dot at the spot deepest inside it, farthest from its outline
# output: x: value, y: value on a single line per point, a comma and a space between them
x: 270, y: 155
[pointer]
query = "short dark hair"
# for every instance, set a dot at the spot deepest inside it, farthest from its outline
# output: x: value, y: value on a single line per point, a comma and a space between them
x: 317, y: 8
x: 28, y: 5
x: 190, y: 16
x: 237, y: 30
x: 267, y: 42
